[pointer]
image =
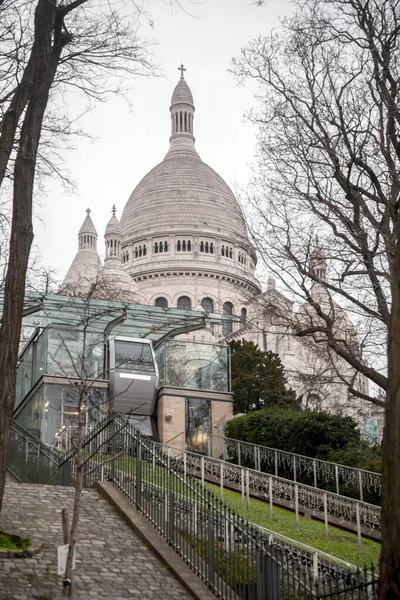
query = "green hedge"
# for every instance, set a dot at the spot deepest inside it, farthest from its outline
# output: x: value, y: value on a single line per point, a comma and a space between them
x: 303, y: 432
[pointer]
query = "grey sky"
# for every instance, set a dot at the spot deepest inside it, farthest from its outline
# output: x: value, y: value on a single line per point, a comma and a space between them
x: 130, y: 143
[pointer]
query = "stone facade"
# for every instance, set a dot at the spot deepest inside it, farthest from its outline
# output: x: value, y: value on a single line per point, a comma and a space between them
x: 184, y: 243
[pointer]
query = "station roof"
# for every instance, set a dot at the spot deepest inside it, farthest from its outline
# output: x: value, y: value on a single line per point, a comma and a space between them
x: 136, y: 320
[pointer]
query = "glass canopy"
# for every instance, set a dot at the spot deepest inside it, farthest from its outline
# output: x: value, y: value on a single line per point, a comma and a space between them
x: 136, y: 320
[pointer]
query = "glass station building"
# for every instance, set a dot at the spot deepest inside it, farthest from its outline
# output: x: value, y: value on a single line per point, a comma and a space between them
x: 132, y: 362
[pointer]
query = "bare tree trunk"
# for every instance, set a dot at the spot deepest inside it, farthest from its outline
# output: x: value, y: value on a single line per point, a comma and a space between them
x: 70, y: 589
x: 22, y: 230
x: 389, y: 587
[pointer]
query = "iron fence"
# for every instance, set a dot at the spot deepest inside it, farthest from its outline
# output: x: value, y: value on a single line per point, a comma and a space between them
x: 235, y: 558
x: 321, y: 474
x: 31, y: 461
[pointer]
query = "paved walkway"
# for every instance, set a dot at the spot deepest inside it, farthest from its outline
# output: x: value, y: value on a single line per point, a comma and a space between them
x: 112, y: 561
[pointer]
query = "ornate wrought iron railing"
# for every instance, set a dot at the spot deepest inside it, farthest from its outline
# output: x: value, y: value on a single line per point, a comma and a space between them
x: 321, y: 474
x: 333, y: 508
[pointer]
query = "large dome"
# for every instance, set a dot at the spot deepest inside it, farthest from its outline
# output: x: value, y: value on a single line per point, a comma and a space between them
x: 182, y: 190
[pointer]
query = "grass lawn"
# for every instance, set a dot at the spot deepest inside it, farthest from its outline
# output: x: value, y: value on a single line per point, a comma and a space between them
x: 341, y: 544
x: 13, y: 542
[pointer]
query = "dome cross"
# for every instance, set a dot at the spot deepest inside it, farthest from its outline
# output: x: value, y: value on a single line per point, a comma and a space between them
x: 113, y: 210
x: 182, y: 70
x: 88, y: 211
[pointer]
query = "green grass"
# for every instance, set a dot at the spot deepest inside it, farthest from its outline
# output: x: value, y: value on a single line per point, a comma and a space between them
x: 342, y: 544
x: 9, y: 541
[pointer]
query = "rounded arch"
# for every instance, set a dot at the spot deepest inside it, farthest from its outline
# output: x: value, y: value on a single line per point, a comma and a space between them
x: 184, y: 302
x: 227, y: 326
x: 161, y: 302
x: 243, y: 314
x: 207, y: 305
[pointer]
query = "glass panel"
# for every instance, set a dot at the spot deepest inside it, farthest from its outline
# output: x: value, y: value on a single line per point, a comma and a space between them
x: 31, y: 415
x: 197, y: 425
x: 26, y: 375
x: 133, y: 356
x: 40, y: 356
x: 160, y: 358
x: 60, y: 413
x: 66, y: 348
x: 195, y: 365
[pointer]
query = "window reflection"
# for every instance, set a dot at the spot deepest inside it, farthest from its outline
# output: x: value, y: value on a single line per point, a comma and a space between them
x: 133, y: 356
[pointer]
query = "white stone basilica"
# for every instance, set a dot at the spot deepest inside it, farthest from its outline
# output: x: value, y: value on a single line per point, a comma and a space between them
x: 182, y: 242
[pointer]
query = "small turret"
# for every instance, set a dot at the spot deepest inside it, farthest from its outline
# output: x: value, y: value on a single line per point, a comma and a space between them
x: 318, y: 262
x: 86, y: 265
x: 182, y: 115
x: 113, y: 238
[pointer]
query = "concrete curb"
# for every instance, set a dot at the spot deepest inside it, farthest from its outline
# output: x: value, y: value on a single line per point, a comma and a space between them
x: 146, y: 531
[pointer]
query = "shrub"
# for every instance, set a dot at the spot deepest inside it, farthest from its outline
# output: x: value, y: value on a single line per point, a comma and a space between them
x: 302, y: 432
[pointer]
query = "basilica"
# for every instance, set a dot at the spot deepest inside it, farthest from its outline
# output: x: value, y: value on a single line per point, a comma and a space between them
x: 182, y: 242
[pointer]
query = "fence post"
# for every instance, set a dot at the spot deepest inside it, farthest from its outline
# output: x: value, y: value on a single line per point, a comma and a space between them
x: 242, y: 485
x: 276, y: 464
x: 154, y: 462
x: 296, y: 503
x: 224, y: 450
x: 210, y: 547
x: 138, y: 498
x: 361, y: 485
x: 238, y: 453
x: 202, y: 470
x: 195, y: 518
x: 271, y: 493
x: 294, y: 469
x: 337, y: 478
x: 326, y: 514
x: 165, y: 513
x: 221, y: 479
x: 315, y: 566
x: 247, y: 488
x: 358, y: 525
x: 184, y: 465
x: 171, y: 511
x: 259, y: 575
x: 255, y: 457
x: 315, y: 473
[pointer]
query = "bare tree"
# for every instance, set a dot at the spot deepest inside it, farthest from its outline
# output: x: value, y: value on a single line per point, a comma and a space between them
x: 47, y: 50
x: 328, y: 117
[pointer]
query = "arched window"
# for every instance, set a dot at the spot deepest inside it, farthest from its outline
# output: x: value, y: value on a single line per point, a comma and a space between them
x: 178, y: 245
x: 140, y: 251
x: 227, y: 326
x: 156, y: 247
x: 206, y: 247
x: 184, y: 303
x: 161, y: 302
x: 243, y: 314
x: 184, y: 245
x: 230, y: 253
x: 223, y: 250
x: 201, y: 246
x: 207, y: 305
x: 144, y: 250
x: 165, y: 246
x: 211, y: 248
x: 160, y: 247
x: 189, y: 245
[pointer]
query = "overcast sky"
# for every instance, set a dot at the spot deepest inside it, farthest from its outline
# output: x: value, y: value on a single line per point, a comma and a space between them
x: 130, y: 142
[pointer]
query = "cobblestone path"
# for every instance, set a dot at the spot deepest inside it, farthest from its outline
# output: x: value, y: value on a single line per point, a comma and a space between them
x: 112, y: 561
